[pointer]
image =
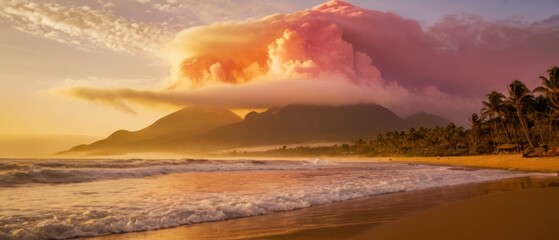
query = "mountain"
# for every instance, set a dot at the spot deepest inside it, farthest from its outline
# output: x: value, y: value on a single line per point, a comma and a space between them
x: 190, y: 121
x: 198, y: 130
x: 307, y: 124
x: 296, y: 124
x: 427, y: 120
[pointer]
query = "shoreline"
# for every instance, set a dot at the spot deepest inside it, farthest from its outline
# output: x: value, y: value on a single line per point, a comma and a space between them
x: 341, y: 220
x: 512, y: 162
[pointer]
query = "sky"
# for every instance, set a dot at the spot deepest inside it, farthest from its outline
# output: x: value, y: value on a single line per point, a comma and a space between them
x: 94, y: 66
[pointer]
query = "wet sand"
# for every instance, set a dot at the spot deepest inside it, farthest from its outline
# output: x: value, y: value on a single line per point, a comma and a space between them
x: 358, y: 219
x: 528, y: 214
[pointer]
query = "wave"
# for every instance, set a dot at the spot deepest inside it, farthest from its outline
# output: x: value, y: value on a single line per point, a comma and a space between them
x: 11, y: 166
x: 154, y: 209
x: 58, y: 172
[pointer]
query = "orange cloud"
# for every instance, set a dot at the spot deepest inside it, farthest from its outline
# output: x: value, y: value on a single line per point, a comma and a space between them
x: 337, y: 53
x: 301, y: 45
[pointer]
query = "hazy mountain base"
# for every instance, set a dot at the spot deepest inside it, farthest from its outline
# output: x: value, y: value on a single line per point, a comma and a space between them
x: 160, y: 136
x: 439, y: 141
x: 198, y: 131
x: 449, y: 140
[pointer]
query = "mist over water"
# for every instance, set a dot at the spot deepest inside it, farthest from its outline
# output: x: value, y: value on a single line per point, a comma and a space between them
x: 53, y: 199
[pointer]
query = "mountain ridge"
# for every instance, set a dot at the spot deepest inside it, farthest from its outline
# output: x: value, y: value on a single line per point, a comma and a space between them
x: 188, y: 121
x: 291, y: 124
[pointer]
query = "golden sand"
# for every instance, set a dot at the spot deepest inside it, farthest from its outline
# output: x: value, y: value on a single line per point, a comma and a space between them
x: 528, y: 214
x: 509, y: 162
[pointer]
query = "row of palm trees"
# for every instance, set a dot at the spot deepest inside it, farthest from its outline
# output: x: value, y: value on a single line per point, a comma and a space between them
x: 525, y: 118
x: 439, y: 141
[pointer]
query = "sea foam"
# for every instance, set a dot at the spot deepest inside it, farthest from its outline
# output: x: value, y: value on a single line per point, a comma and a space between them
x: 130, y: 203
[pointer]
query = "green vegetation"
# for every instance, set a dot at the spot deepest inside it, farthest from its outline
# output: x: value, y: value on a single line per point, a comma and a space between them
x: 522, y: 119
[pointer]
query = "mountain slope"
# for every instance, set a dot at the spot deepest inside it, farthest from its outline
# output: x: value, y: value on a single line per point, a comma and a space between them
x: 199, y: 130
x: 186, y: 122
x: 311, y: 124
x: 297, y: 124
x: 422, y: 119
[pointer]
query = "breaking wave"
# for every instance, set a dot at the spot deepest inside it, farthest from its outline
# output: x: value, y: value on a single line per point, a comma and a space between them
x: 74, y: 171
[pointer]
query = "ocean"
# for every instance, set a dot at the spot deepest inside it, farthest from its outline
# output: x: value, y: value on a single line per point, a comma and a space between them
x: 58, y: 199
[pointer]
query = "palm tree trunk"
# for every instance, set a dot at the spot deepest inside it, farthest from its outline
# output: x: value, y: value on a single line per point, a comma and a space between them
x: 552, y: 119
x: 525, y: 129
x: 492, y: 132
x: 496, y: 131
x: 514, y: 133
x: 506, y: 131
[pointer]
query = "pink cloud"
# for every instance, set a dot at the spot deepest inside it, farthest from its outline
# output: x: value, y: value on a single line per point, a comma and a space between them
x: 304, y: 44
x: 337, y: 53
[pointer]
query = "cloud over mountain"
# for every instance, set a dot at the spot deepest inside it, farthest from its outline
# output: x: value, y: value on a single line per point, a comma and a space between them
x: 337, y: 53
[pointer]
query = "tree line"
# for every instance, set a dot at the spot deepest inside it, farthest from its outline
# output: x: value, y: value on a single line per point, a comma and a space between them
x: 518, y: 120
x: 525, y: 118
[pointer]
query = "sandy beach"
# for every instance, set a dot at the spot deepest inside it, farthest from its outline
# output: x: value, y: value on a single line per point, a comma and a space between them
x: 527, y: 214
x: 520, y: 214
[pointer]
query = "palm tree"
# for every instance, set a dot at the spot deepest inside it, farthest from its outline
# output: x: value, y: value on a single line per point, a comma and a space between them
x: 491, y: 109
x: 550, y: 86
x: 475, y: 124
x: 414, y: 137
x: 540, y: 117
x: 509, y: 121
x: 520, y: 97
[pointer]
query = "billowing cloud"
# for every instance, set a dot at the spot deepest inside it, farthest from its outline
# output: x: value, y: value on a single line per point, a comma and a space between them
x: 337, y: 53
x: 276, y: 47
x: 83, y: 27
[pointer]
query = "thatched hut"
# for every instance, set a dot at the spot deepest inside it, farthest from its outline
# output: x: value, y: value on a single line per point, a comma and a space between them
x: 507, y: 148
